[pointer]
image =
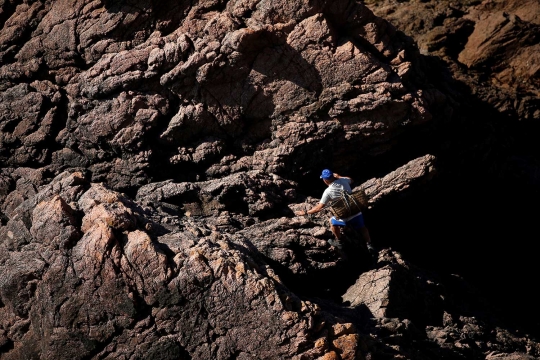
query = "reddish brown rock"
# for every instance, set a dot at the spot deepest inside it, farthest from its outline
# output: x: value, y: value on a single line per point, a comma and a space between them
x: 152, y: 158
x: 54, y: 224
x: 496, y: 41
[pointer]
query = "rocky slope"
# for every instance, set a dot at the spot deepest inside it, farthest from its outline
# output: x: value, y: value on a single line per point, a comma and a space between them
x: 492, y: 46
x: 489, y: 50
x: 153, y: 156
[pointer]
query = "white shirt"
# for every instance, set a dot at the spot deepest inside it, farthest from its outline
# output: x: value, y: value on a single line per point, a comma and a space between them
x: 333, y: 192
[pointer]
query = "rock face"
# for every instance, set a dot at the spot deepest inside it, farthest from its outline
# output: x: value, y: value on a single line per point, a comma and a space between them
x: 492, y: 46
x: 153, y: 155
x: 92, y: 274
x: 135, y: 94
x: 486, y: 56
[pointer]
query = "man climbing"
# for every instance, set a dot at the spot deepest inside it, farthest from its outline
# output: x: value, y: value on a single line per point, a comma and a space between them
x: 337, y: 184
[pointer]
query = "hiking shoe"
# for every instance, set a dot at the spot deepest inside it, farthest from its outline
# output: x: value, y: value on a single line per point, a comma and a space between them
x: 335, y: 243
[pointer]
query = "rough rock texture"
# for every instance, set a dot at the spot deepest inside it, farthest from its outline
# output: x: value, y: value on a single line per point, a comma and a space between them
x: 92, y: 289
x: 135, y: 94
x: 95, y: 276
x: 492, y: 46
x: 484, y: 54
x: 152, y: 156
x: 398, y: 290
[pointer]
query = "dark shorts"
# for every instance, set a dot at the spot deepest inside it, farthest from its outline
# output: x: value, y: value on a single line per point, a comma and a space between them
x: 356, y: 222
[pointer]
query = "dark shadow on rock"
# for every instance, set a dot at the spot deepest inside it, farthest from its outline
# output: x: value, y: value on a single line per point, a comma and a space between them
x: 148, y: 14
x: 290, y: 66
x: 235, y: 96
x: 359, y: 315
x: 324, y: 283
x: 475, y: 219
x: 155, y: 229
x: 462, y: 224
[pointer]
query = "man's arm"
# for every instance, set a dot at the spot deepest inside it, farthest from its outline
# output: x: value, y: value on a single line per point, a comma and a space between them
x: 313, y: 210
x: 343, y: 177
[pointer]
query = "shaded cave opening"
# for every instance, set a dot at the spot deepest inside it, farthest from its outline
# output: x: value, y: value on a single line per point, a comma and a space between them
x: 476, y: 219
x: 475, y: 226
x: 460, y: 226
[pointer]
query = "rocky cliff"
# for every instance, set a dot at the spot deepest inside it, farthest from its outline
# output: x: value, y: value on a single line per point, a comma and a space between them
x: 153, y: 155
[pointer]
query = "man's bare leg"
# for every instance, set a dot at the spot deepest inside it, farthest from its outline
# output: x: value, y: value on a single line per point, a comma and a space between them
x: 336, y: 230
x: 337, y: 234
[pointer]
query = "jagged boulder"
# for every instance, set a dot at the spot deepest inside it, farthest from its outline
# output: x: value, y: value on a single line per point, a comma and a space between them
x: 411, y: 305
x: 91, y: 282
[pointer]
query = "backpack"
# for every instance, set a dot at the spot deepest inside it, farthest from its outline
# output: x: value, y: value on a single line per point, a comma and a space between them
x: 349, y: 204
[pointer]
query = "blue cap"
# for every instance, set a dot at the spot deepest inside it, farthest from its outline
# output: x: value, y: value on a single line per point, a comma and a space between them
x: 326, y: 174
